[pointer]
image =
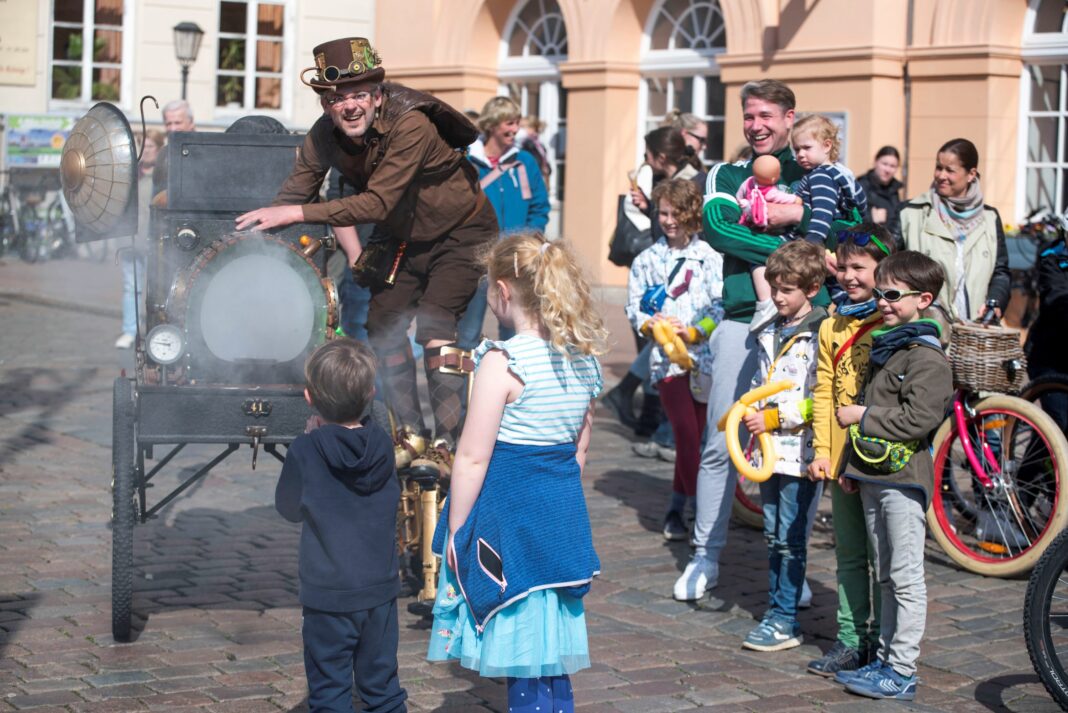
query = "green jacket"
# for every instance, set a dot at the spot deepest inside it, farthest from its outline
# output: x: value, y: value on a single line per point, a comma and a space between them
x: 741, y: 246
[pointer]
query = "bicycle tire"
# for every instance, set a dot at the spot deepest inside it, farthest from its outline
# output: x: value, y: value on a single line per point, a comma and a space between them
x: 1045, y: 385
x: 747, y: 507
x: 1038, y: 633
x: 955, y: 541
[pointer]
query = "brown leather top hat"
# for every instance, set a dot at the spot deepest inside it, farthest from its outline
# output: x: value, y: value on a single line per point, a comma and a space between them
x: 345, y: 61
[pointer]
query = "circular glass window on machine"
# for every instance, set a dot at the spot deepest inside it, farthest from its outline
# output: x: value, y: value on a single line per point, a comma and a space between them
x: 257, y: 301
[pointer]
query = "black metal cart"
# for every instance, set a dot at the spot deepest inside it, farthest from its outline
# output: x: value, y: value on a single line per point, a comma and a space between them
x: 230, y: 317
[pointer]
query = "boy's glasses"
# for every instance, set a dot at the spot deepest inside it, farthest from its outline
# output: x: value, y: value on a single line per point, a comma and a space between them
x: 861, y: 239
x: 893, y: 295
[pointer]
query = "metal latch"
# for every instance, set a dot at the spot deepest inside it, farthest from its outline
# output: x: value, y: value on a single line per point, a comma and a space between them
x: 256, y: 433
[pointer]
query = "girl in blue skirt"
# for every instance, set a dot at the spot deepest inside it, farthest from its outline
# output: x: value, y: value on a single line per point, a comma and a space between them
x: 515, y: 533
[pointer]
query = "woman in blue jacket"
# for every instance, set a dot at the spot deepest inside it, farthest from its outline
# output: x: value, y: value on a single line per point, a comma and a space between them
x: 514, y: 186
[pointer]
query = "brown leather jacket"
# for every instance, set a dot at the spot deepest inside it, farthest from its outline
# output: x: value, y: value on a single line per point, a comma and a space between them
x: 406, y: 174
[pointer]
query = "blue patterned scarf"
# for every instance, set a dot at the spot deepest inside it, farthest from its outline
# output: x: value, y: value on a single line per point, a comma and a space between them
x: 857, y: 310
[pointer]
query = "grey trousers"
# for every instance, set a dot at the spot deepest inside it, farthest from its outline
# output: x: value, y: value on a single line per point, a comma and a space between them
x: 896, y: 526
x: 734, y: 362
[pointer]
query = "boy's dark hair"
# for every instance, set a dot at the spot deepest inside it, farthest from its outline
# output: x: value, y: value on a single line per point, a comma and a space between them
x: 858, y: 239
x: 797, y: 262
x: 914, y: 269
x: 340, y: 376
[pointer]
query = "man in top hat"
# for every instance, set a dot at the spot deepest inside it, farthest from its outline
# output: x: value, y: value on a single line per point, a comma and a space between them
x: 400, y: 149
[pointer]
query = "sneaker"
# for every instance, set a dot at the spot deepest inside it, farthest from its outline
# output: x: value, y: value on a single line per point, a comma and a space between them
x: 665, y: 454
x: 764, y: 314
x: 805, y: 601
x: 839, y: 658
x: 699, y: 576
x: 773, y: 635
x: 646, y: 449
x: 675, y: 527
x: 884, y: 683
x: 997, y: 534
x: 125, y: 341
x: 867, y: 671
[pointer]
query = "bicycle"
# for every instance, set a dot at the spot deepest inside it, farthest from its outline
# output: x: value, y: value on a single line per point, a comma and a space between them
x: 9, y: 224
x: 999, y: 466
x: 1045, y: 618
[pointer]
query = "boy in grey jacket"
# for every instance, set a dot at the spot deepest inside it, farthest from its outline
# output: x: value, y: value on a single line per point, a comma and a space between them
x: 908, y: 389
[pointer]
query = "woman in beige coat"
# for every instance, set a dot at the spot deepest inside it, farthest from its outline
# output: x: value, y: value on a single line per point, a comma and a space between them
x: 951, y: 224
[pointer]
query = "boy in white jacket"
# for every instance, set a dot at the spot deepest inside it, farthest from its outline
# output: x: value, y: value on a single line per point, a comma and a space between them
x: 788, y: 352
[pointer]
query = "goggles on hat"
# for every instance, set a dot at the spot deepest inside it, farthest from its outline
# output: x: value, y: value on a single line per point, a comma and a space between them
x: 861, y: 238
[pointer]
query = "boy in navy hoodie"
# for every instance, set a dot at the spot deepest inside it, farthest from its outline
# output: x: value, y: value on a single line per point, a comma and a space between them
x: 339, y: 480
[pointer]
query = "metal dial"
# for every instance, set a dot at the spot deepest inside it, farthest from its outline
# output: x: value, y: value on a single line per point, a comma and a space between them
x: 165, y: 344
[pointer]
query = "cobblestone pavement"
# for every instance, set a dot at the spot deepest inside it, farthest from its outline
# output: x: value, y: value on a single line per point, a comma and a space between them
x: 216, y: 572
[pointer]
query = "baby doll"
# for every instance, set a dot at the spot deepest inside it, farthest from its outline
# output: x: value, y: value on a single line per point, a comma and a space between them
x: 760, y: 189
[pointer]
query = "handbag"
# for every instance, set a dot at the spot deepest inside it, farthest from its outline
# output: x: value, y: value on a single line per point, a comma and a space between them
x: 628, y: 239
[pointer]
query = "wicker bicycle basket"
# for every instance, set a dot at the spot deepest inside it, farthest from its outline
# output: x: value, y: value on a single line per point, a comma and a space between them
x: 986, y: 358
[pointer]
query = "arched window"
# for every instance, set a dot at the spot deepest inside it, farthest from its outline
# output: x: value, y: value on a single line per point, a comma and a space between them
x: 1042, y: 181
x: 682, y: 40
x: 533, y: 45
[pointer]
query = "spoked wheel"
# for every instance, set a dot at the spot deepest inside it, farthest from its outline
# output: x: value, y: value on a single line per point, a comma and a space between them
x: 747, y: 508
x: 1050, y: 393
x: 1003, y: 529
x: 1046, y: 619
x: 123, y: 446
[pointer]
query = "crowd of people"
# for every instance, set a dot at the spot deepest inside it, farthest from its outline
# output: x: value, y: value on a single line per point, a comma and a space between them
x: 780, y: 267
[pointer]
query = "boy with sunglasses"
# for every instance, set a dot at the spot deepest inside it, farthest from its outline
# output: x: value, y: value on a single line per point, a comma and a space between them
x: 842, y: 361
x: 907, y: 392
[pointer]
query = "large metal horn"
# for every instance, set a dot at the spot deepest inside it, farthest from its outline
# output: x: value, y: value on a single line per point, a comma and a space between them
x: 98, y: 170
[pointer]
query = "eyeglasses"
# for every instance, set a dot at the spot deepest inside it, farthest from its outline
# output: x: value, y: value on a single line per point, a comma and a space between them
x: 893, y: 295
x: 861, y: 239
x: 703, y: 140
x: 358, y: 97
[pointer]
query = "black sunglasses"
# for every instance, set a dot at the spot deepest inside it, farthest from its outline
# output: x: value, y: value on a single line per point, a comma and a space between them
x: 700, y: 139
x: 893, y: 295
x: 861, y: 239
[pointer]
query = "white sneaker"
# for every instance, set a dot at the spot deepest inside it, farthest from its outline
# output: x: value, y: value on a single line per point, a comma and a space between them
x: 666, y: 454
x: 646, y: 449
x: 699, y: 576
x: 806, y: 596
x: 125, y: 341
x: 765, y: 313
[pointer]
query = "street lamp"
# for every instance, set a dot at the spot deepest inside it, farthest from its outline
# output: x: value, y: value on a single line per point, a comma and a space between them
x: 187, y: 37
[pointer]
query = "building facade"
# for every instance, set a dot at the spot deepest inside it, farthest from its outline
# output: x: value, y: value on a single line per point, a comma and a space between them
x: 600, y: 73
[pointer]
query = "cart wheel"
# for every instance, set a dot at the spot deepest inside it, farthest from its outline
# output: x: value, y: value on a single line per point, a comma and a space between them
x: 122, y: 456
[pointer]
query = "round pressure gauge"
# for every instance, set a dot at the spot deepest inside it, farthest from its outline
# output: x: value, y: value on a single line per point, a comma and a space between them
x: 165, y: 344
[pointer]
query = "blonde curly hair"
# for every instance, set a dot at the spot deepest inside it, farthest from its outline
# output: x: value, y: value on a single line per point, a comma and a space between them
x: 549, y: 285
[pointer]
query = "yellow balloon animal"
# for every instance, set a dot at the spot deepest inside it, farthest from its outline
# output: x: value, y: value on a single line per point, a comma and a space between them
x: 730, y: 422
x: 671, y: 344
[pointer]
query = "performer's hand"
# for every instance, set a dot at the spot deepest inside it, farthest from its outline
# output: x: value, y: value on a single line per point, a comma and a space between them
x: 277, y: 216
x: 849, y: 486
x: 819, y: 469
x: 754, y: 422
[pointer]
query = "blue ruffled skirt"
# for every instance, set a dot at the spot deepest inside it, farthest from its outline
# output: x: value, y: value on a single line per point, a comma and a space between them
x: 543, y: 634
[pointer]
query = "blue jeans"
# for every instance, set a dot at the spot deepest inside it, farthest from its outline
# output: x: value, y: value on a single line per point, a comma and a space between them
x: 469, y: 328
x: 132, y: 261
x: 787, y: 507
x: 355, y: 301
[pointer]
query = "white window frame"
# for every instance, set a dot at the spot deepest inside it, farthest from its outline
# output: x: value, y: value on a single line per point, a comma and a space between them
x: 676, y: 63
x: 544, y: 71
x: 86, y: 63
x: 249, y: 73
x: 1046, y: 49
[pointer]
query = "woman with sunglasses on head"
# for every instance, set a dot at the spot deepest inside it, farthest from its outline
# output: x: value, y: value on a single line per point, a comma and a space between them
x: 951, y: 224
x: 694, y: 132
